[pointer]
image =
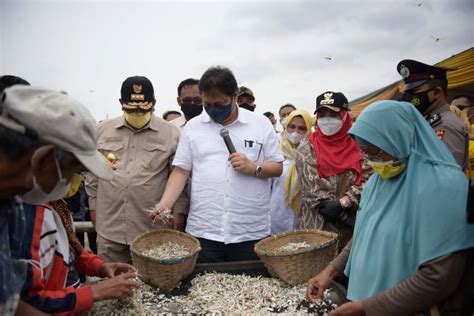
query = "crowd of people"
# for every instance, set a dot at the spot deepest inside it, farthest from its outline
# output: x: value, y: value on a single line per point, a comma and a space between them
x: 393, y: 184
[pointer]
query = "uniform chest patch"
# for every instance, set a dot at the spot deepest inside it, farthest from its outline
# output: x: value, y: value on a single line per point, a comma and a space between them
x: 440, y: 133
x: 433, y: 119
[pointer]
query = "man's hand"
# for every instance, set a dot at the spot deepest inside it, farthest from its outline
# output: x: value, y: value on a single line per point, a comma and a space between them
x: 317, y: 285
x: 118, y: 287
x: 177, y: 223
x: 109, y: 270
x: 92, y: 215
x: 349, y: 309
x: 161, y: 216
x: 241, y: 163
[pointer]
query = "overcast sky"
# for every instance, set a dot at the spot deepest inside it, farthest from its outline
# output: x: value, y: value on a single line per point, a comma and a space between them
x: 277, y: 48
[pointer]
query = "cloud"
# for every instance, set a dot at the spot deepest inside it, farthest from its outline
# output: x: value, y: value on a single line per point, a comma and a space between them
x: 275, y: 48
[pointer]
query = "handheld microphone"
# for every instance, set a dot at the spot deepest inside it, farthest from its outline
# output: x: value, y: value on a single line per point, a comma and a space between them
x: 228, y: 142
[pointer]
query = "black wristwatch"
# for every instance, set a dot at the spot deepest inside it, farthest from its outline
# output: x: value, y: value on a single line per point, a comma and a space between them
x: 258, y: 171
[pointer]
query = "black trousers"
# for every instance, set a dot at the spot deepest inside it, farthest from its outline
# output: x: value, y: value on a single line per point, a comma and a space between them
x: 214, y: 251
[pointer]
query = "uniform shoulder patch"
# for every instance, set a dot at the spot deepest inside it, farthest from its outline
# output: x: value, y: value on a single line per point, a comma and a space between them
x: 440, y: 133
x: 433, y: 119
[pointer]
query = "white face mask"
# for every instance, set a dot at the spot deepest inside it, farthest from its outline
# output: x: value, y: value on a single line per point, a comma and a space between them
x: 294, y: 137
x: 38, y: 196
x: 283, y: 122
x: 329, y: 125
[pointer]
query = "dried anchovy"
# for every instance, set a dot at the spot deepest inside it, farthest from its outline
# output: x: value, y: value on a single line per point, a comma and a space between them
x: 223, y: 294
x: 130, y: 306
x: 162, y: 216
x: 167, y: 250
x: 293, y: 246
x: 218, y: 292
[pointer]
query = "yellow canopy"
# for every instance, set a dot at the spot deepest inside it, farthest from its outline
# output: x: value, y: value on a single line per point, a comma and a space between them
x: 460, y: 81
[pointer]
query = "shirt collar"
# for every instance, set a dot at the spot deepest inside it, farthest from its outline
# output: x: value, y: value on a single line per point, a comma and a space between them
x: 242, y: 116
x: 153, y: 124
x: 443, y: 108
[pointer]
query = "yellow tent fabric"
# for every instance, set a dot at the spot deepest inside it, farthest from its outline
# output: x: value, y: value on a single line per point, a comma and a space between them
x: 387, y: 94
x: 463, y: 76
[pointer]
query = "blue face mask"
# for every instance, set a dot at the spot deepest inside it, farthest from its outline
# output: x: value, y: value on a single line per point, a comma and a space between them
x: 219, y: 113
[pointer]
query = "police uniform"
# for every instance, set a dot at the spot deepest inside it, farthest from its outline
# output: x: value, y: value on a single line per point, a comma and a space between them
x: 444, y: 122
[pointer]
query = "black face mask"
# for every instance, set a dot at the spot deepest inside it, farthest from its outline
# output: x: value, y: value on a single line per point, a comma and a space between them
x: 247, y: 106
x: 420, y: 100
x: 191, y: 110
x: 219, y: 113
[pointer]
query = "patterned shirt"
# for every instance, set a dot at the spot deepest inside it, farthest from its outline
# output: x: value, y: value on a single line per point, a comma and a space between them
x: 315, y: 189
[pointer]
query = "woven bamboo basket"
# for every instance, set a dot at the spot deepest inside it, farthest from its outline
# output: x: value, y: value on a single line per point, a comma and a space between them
x: 164, y: 274
x: 297, y: 266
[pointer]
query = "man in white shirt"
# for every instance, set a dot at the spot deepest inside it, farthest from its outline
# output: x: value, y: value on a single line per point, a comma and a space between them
x: 230, y: 194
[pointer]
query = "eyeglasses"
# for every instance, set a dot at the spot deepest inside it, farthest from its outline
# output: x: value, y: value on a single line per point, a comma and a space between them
x: 197, y: 100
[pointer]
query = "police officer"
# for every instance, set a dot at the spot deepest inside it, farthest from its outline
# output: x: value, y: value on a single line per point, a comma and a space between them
x: 426, y: 88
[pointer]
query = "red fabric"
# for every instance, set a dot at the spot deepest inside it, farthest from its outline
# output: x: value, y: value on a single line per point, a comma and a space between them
x: 89, y: 264
x: 337, y: 153
x: 85, y: 299
x: 51, y: 293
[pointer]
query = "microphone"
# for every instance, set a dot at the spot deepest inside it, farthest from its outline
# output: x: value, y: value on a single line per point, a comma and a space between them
x: 228, y: 142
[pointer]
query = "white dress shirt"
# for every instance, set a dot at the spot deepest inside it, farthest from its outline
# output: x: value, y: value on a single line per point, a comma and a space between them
x: 282, y: 216
x: 226, y: 205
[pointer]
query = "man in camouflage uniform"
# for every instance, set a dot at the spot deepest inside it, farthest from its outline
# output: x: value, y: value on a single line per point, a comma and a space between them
x: 246, y: 99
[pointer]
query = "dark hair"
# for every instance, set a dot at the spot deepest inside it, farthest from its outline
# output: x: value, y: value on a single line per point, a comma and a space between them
x: 268, y: 114
x: 220, y: 79
x: 469, y: 98
x: 288, y: 105
x: 14, y: 144
x: 10, y: 80
x: 165, y: 115
x: 185, y: 83
x: 442, y: 83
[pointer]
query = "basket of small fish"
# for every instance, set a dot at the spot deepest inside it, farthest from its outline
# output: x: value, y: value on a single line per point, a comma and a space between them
x: 295, y: 257
x: 164, y: 257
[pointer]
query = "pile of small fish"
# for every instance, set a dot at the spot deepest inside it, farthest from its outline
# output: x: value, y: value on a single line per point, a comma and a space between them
x: 221, y: 294
x: 130, y: 306
x: 162, y: 217
x: 167, y: 251
x: 293, y: 246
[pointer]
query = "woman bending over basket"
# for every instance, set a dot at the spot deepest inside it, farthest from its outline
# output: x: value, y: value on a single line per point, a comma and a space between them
x: 412, y: 246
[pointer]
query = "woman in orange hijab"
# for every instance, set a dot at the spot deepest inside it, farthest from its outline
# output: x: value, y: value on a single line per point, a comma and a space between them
x: 329, y: 166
